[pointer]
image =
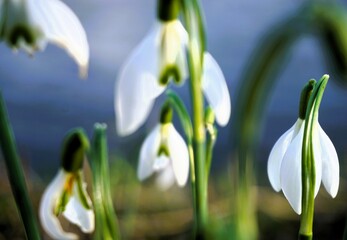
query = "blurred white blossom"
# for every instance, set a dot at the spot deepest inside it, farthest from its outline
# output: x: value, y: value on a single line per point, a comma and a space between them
x: 165, y: 153
x: 160, y: 58
x: 66, y: 195
x: 30, y: 24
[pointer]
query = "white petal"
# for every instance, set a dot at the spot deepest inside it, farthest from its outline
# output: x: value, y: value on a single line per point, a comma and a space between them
x: 317, y: 160
x: 137, y: 85
x: 165, y: 178
x: 179, y: 155
x: 161, y: 162
x: 148, y: 154
x: 77, y: 214
x: 61, y: 26
x: 277, y: 154
x: 49, y: 221
x: 291, y: 172
x: 330, y: 161
x: 216, y: 89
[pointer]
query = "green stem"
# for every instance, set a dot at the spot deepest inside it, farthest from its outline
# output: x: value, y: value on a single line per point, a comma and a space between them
x: 308, y: 185
x: 211, y: 140
x: 258, y: 79
x: 16, y: 175
x: 195, y: 50
x: 201, y: 25
x: 304, y: 237
x: 105, y: 214
x: 186, y: 123
x: 308, y: 163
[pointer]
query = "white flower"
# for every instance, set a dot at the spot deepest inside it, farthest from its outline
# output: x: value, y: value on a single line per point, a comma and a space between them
x: 141, y: 78
x: 164, y: 152
x: 66, y: 187
x: 284, y: 165
x: 30, y: 24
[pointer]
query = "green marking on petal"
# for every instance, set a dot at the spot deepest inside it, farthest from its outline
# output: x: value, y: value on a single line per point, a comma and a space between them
x: 82, y: 193
x: 163, y: 150
x: 170, y: 71
x: 20, y: 32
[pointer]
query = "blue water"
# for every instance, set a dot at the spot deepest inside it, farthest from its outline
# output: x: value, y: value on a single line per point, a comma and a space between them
x: 46, y: 98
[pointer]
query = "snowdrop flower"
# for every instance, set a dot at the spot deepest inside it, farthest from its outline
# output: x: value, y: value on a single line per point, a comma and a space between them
x: 164, y: 152
x: 158, y: 59
x: 30, y: 24
x: 285, y: 163
x: 67, y: 194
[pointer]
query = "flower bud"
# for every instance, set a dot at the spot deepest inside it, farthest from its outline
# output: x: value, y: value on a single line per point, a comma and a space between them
x: 166, y: 114
x: 76, y: 144
x: 168, y: 9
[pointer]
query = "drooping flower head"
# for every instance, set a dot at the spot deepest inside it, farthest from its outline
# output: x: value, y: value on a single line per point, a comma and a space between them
x: 66, y: 195
x: 285, y: 160
x: 165, y: 153
x: 30, y: 24
x: 158, y: 60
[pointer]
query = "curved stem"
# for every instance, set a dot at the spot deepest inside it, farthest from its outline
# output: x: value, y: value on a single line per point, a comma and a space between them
x: 308, y: 162
x: 183, y: 115
x: 259, y: 77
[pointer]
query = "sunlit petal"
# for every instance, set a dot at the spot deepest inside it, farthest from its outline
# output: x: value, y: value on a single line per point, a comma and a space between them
x: 330, y: 163
x: 137, y: 86
x: 276, y: 156
x: 216, y: 89
x: 148, y: 154
x: 179, y: 155
x: 49, y: 221
x: 77, y: 214
x: 291, y: 172
x: 61, y: 26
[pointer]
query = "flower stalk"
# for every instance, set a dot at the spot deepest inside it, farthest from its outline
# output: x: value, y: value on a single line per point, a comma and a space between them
x: 16, y: 175
x: 106, y: 221
x: 211, y: 138
x: 195, y: 49
x: 177, y: 104
x: 169, y: 55
x: 308, y: 159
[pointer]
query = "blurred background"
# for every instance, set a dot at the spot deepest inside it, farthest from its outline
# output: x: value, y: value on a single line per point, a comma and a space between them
x: 45, y: 98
